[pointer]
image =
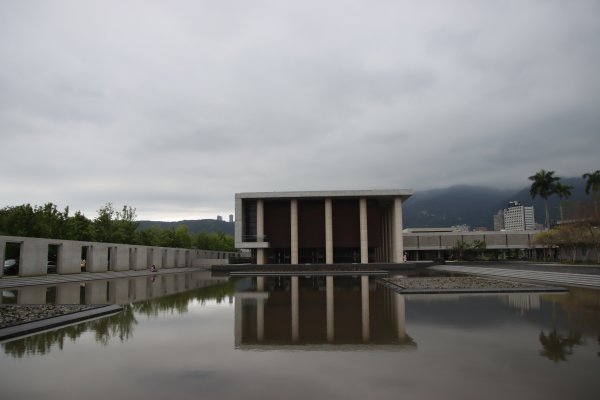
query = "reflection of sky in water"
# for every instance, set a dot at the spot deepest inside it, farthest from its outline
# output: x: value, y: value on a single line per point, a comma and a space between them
x: 467, y: 347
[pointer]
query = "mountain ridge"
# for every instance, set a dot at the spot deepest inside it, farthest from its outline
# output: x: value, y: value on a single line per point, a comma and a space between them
x: 471, y: 205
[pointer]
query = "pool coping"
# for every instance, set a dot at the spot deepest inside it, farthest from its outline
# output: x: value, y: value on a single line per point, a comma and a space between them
x: 44, y: 324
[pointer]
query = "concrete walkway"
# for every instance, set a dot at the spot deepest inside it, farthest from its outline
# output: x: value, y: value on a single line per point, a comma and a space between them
x: 17, y: 281
x: 562, y: 278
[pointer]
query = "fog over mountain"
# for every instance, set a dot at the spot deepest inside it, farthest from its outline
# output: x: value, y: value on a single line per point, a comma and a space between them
x: 456, y: 205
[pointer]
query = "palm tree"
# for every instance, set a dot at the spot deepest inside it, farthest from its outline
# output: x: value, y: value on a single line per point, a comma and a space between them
x: 544, y: 185
x: 592, y: 182
x: 563, y: 191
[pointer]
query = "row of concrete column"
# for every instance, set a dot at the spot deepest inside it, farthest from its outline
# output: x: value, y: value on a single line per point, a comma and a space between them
x: 101, y: 257
x: 261, y: 297
x: 392, y: 251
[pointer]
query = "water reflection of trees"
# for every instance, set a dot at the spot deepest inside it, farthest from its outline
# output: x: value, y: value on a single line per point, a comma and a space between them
x: 121, y: 325
x: 557, y: 347
x: 582, y: 307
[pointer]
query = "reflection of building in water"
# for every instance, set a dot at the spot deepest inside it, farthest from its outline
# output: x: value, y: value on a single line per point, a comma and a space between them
x: 113, y: 291
x: 523, y: 301
x: 310, y: 310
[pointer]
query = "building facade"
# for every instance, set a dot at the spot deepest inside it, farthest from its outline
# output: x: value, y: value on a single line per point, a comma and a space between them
x: 518, y: 217
x: 325, y: 227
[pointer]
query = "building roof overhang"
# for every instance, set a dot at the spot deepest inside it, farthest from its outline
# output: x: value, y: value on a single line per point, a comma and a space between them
x: 373, y: 193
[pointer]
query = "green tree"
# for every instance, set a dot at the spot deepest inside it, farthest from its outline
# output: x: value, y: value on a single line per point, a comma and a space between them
x: 79, y: 227
x: 544, y: 185
x: 563, y: 192
x: 592, y: 184
x: 460, y: 248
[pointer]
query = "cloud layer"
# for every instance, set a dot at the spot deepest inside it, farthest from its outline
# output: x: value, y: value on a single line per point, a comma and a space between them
x: 172, y: 107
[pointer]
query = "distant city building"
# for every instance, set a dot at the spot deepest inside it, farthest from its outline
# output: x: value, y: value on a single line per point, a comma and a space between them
x: 230, y: 217
x: 499, y: 221
x: 518, y: 217
x: 455, y: 228
x: 219, y: 218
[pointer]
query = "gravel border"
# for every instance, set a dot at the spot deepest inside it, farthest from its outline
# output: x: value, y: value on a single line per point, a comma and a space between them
x: 463, y: 284
x: 16, y: 314
x: 52, y: 317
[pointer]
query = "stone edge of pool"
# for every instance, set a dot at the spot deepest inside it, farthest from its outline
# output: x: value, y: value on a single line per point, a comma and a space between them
x: 16, y: 331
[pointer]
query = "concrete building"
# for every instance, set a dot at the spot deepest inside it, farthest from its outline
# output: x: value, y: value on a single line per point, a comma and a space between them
x: 230, y: 217
x: 518, y: 217
x: 361, y: 226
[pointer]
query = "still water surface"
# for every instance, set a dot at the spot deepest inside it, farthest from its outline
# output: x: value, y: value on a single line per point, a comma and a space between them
x: 316, y: 337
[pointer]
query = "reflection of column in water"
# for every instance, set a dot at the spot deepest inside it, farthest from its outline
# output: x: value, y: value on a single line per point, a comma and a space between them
x: 32, y: 295
x: 523, y: 301
x: 260, y: 309
x: 260, y: 319
x: 68, y: 293
x: 295, y: 309
x: 364, y: 281
x: 401, y: 316
x: 238, y: 320
x: 330, y: 312
x: 260, y: 283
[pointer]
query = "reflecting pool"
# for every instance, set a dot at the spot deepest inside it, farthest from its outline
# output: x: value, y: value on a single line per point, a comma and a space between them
x: 194, y: 336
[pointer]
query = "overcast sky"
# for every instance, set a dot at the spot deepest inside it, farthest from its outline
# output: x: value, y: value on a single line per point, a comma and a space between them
x: 174, y: 106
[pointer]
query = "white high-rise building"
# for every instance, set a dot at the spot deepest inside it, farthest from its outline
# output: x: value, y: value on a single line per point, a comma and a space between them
x: 518, y: 217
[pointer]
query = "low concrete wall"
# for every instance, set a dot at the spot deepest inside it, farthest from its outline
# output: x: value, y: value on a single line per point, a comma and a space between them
x: 101, y: 257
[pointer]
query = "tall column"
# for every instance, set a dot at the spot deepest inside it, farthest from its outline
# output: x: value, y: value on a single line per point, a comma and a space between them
x: 295, y: 310
x: 294, y: 232
x: 330, y: 309
x: 260, y: 283
x: 364, y: 289
x: 364, y: 234
x: 328, y: 231
x: 397, y: 231
x: 260, y: 230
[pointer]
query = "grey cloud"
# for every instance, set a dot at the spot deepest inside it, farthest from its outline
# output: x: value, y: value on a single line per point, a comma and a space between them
x: 174, y: 107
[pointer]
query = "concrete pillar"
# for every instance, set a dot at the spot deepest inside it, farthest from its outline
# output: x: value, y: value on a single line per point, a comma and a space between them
x: 330, y: 309
x: 398, y: 256
x: 34, y: 257
x: 260, y: 283
x: 364, y: 291
x: 69, y: 258
x: 294, y: 230
x: 121, y: 258
x: 295, y: 310
x: 97, y: 258
x: 401, y: 316
x: 364, y: 232
x: 328, y: 231
x: 260, y: 230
